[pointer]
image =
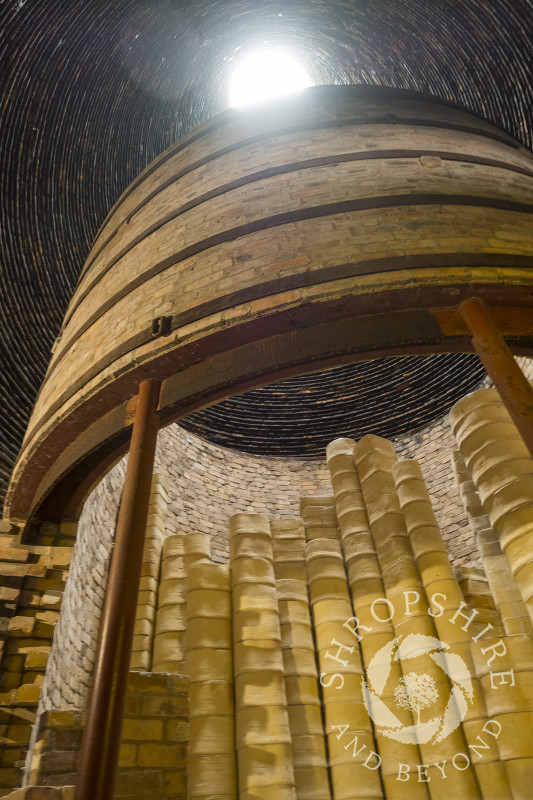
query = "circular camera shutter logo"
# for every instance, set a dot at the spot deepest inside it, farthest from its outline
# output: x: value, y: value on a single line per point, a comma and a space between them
x: 416, y: 691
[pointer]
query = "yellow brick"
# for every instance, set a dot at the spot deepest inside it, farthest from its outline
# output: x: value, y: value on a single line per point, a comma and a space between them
x: 10, y: 755
x: 62, y: 719
x: 140, y: 661
x: 51, y: 600
x: 62, y: 556
x: 48, y: 617
x: 20, y: 715
x: 143, y: 628
x: 21, y: 626
x: 128, y: 755
x: 161, y: 755
x: 37, y: 659
x: 175, y: 782
x: 177, y: 730
x: 142, y: 729
x: 147, y: 683
x: 19, y: 734
x: 28, y: 694
x: 150, y: 570
x: 9, y: 777
x: 33, y: 678
x: 10, y: 680
x: 13, y: 554
x: 68, y: 528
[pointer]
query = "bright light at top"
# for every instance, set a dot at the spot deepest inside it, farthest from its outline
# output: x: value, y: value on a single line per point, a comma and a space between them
x: 264, y: 74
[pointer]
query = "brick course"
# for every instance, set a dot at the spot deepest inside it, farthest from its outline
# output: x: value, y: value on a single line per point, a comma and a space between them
x: 33, y: 579
x: 206, y: 485
x: 152, y: 755
x: 365, y: 218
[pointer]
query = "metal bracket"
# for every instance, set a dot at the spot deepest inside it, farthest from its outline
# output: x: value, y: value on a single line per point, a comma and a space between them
x: 161, y: 326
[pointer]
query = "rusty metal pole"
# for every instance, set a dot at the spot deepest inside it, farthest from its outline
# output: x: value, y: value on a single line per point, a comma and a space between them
x: 508, y: 378
x: 103, y: 729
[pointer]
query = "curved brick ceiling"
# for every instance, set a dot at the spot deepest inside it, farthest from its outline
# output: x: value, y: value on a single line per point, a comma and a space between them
x: 92, y: 92
x: 387, y: 396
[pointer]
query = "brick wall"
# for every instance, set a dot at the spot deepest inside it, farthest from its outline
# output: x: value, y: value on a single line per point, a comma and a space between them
x: 152, y: 754
x: 68, y: 677
x: 33, y: 579
x: 206, y: 485
x: 206, y: 217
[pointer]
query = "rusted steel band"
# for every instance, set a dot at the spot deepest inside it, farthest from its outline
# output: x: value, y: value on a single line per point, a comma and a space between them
x: 286, y: 218
x: 340, y: 158
x: 487, y: 130
x: 296, y: 281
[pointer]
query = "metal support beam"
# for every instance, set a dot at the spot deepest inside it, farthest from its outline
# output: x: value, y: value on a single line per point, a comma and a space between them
x: 508, y: 378
x: 103, y: 729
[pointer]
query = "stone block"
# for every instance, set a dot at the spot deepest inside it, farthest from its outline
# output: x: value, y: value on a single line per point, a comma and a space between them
x: 161, y: 706
x: 28, y: 694
x: 13, y: 554
x: 127, y: 755
x: 142, y: 729
x: 161, y: 755
x: 135, y: 783
x: 175, y: 783
x: 176, y: 730
x: 37, y: 659
x: 21, y: 626
x: 9, y: 777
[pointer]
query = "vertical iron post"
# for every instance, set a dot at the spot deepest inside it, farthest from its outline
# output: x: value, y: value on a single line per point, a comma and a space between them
x: 105, y: 710
x: 508, y: 378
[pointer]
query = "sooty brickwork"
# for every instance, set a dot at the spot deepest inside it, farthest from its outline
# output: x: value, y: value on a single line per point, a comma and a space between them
x: 206, y: 485
x: 72, y: 656
x: 94, y: 91
x: 389, y: 397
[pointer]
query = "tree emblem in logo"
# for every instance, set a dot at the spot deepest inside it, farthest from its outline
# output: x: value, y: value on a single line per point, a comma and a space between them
x: 417, y: 691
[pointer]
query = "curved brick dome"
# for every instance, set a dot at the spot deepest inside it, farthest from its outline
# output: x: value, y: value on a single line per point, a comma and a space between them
x: 298, y: 417
x: 92, y: 93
